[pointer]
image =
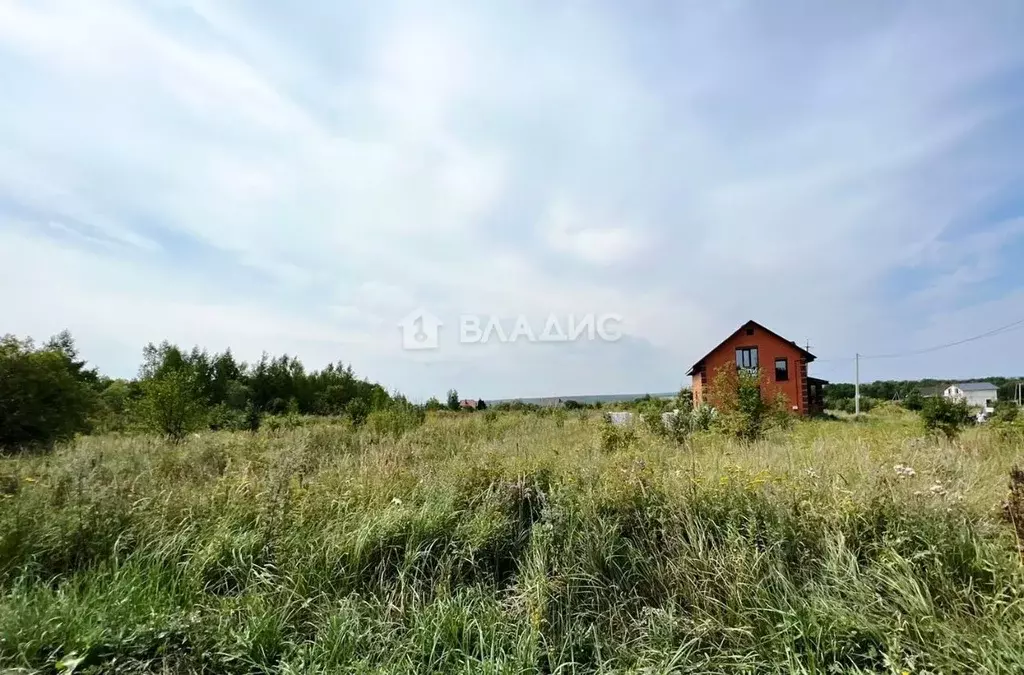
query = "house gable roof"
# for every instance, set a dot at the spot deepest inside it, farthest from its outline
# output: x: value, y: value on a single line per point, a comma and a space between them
x: 749, y: 324
x: 975, y: 386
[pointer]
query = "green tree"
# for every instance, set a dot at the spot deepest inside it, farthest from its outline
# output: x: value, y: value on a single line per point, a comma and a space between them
x: 433, y: 405
x: 62, y: 343
x: 481, y: 405
x: 113, y: 413
x: 43, y: 396
x: 453, y: 400
x: 172, y: 404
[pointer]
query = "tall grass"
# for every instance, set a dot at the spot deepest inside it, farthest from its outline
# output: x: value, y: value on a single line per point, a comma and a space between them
x: 513, y: 543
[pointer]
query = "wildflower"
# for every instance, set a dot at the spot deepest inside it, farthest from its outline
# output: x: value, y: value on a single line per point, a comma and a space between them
x: 904, y: 471
x: 937, y: 489
x: 396, y: 501
x: 30, y: 479
x: 811, y: 473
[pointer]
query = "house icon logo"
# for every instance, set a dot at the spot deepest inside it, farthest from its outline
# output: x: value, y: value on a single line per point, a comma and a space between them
x: 419, y: 330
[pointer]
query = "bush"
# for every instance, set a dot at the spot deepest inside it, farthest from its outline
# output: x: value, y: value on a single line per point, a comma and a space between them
x: 945, y: 416
x: 357, y: 410
x: 115, y: 407
x: 614, y: 438
x: 41, y: 398
x: 849, y: 405
x: 221, y: 416
x: 253, y: 417
x: 395, y: 420
x: 913, y: 401
x: 702, y: 417
x: 171, y: 404
x: 744, y: 410
x: 678, y: 425
x: 1006, y: 411
x: 650, y: 411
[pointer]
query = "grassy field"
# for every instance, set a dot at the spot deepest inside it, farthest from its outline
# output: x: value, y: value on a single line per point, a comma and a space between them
x: 514, y: 543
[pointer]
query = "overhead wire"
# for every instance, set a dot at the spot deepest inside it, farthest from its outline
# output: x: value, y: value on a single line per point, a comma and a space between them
x: 995, y: 331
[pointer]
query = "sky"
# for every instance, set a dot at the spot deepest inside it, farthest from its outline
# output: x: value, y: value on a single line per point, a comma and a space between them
x: 301, y: 177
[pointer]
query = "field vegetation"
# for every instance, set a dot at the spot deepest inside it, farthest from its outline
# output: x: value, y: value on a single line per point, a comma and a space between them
x: 516, y: 542
x: 222, y: 517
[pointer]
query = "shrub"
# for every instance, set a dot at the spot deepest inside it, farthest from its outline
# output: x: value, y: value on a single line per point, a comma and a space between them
x: 1006, y: 411
x: 171, y: 404
x: 115, y: 406
x: 849, y: 405
x: 650, y: 411
x: 702, y: 417
x: 677, y: 425
x: 395, y: 420
x: 614, y: 438
x: 357, y: 410
x: 945, y: 416
x: 253, y: 417
x: 745, y: 409
x: 913, y: 401
x: 221, y: 416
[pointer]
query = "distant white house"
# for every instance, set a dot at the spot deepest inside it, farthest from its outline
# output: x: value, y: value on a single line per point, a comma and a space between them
x: 977, y: 394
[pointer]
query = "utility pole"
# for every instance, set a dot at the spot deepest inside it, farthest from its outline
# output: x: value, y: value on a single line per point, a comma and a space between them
x: 856, y: 388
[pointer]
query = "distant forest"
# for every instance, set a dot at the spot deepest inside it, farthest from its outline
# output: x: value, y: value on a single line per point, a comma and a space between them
x: 47, y: 393
x: 888, y: 390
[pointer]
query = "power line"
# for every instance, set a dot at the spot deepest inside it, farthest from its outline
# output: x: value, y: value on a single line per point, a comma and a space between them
x: 995, y: 331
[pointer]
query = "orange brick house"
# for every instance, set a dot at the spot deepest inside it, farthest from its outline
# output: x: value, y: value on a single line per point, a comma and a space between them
x: 783, y: 362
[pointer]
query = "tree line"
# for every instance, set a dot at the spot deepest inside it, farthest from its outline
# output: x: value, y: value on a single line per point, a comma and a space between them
x: 48, y: 394
x: 889, y: 390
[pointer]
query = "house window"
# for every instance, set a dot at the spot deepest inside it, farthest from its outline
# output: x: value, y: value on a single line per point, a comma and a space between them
x: 746, y: 357
x: 782, y: 370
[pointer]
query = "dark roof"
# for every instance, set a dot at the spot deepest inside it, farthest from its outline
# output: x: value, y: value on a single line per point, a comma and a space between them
x: 975, y: 386
x: 807, y: 355
x: 816, y: 380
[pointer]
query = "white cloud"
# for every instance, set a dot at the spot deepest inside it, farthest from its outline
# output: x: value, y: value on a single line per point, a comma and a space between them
x: 688, y: 168
x: 569, y: 231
